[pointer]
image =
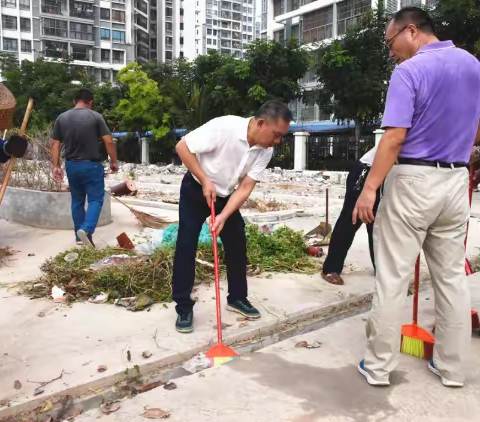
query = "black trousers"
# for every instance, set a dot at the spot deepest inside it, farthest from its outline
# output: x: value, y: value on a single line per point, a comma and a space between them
x: 344, y: 231
x: 194, y: 210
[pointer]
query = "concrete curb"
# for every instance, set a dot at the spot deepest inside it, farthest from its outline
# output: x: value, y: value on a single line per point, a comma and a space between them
x: 169, y: 367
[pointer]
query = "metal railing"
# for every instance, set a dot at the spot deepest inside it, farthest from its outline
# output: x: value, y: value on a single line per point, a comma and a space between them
x: 284, y: 153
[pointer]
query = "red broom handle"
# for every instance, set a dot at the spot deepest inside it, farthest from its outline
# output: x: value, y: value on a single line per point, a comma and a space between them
x: 416, y: 284
x: 326, y: 212
x: 217, y: 278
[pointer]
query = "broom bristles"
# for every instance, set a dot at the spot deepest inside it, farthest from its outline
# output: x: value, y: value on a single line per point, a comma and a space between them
x: 413, y: 346
x: 417, y: 342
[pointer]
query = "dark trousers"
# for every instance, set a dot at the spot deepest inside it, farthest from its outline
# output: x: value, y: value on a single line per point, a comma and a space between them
x: 87, y: 181
x: 344, y: 231
x: 193, y: 210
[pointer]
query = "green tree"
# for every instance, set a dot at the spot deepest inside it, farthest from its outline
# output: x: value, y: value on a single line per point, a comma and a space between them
x: 143, y: 108
x: 459, y: 21
x: 354, y: 72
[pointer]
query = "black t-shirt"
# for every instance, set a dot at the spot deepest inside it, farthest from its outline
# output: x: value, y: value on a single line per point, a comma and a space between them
x: 79, y: 130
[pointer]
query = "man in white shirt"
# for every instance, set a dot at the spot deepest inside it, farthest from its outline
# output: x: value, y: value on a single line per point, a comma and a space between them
x: 344, y: 231
x: 223, y: 153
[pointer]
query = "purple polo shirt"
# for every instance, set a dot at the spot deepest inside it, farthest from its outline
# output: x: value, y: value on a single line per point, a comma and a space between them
x: 436, y: 96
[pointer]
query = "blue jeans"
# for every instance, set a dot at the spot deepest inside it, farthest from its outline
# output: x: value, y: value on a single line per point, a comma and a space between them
x: 86, y: 180
x: 3, y: 157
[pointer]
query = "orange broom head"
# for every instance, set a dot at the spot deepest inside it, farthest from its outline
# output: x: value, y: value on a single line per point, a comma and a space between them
x: 220, y: 354
x: 417, y: 342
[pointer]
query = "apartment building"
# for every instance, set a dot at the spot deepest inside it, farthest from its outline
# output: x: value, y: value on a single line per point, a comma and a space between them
x: 227, y: 26
x: 313, y: 21
x: 95, y: 34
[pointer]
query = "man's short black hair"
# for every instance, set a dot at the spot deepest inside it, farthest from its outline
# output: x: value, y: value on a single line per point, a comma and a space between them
x: 84, y: 95
x: 416, y: 16
x: 274, y: 110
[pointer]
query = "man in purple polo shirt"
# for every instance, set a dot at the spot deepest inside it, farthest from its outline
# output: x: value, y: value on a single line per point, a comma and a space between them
x: 431, y: 121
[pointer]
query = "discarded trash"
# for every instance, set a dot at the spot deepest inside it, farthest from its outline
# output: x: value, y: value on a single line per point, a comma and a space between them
x: 170, y: 386
x: 155, y: 243
x: 243, y: 324
x: 147, y: 387
x: 201, y: 261
x: 146, y: 354
x: 306, y: 345
x: 31, y: 254
x: 72, y: 256
x: 127, y: 187
x: 319, y: 236
x: 110, y: 407
x: 124, y: 241
x: 58, y: 295
x: 48, y: 406
x: 17, y: 385
x: 170, y: 235
x: 156, y: 414
x: 113, y: 260
x: 224, y: 326
x: 315, y: 251
x: 129, y: 356
x: 135, y: 303
x: 100, y: 298
x: 198, y: 363
x: 102, y: 368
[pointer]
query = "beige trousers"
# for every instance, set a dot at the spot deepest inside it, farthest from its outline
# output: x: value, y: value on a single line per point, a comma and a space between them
x: 422, y: 207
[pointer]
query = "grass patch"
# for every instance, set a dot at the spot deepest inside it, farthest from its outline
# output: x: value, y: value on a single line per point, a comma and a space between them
x: 280, y: 251
x: 5, y: 253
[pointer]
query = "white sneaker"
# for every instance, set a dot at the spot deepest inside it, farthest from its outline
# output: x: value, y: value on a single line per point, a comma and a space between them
x: 445, y: 382
x: 370, y: 380
x: 82, y: 235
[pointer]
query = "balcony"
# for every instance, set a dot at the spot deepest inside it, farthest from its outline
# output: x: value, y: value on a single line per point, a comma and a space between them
x: 82, y: 14
x: 79, y: 53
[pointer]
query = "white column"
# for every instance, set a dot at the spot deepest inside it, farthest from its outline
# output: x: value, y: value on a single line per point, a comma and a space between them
x: 145, y: 151
x: 378, y: 135
x: 300, y: 151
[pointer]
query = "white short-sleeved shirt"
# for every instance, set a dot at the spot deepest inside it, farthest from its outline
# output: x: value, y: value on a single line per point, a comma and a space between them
x: 224, y: 154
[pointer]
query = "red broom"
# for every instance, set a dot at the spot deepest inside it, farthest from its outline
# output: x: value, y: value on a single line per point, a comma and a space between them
x: 219, y: 353
x: 415, y: 340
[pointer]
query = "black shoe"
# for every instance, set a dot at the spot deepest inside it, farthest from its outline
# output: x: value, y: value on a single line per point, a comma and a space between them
x: 184, y: 323
x: 16, y: 146
x: 245, y: 308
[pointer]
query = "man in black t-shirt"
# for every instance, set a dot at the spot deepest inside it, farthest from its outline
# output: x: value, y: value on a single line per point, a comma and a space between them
x: 79, y: 130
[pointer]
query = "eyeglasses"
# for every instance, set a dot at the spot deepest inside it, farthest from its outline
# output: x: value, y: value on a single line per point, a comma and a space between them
x: 390, y: 41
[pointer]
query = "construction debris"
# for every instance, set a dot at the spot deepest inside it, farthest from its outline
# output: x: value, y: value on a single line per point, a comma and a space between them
x: 110, y: 407
x: 126, y: 188
x: 102, y: 368
x: 125, y: 242
x: 306, y: 345
x: 146, y: 354
x: 99, y: 298
x: 198, y: 363
x: 156, y: 413
x: 170, y: 386
x: 147, y: 387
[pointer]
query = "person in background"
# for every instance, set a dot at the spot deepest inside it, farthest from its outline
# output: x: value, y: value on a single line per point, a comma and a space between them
x: 79, y: 130
x: 344, y: 231
x: 223, y: 153
x: 431, y: 119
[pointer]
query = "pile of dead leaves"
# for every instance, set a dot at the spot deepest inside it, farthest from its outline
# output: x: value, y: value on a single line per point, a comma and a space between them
x: 5, y: 253
x: 264, y: 206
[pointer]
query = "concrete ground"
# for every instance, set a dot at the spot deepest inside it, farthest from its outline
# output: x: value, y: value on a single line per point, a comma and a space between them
x: 285, y: 383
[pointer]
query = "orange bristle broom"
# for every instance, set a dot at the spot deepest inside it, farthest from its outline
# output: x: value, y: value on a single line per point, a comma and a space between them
x: 220, y: 353
x: 415, y: 340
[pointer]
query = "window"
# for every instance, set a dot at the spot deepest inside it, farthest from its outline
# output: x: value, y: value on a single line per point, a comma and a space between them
x: 81, y: 10
x: 56, y: 49
x: 349, y: 12
x: 153, y: 15
x: 9, y: 22
x: 118, y: 36
x: 250, y: 29
x: 209, y: 31
x: 181, y: 54
x: 119, y: 16
x: 105, y: 34
x: 181, y: 40
x: 105, y: 56
x: 250, y: 38
x: 10, y: 44
x: 168, y: 41
x: 181, y: 26
x: 405, y: 3
x: 318, y: 25
x: 142, y: 37
x: 55, y: 27
x: 278, y: 7
x: 141, y: 21
x: 105, y: 14
x: 295, y: 32
x: 26, y: 46
x: 244, y: 36
x: 168, y: 55
x: 142, y: 52
x: 25, y: 24
x: 81, y: 31
x: 209, y: 21
x: 153, y: 27
x: 9, y: 3
x: 181, y: 11
x: 153, y: 43
x: 279, y: 35
x: 214, y: 42
x: 215, y: 22
x: 168, y: 12
x: 53, y: 7
x: 81, y: 52
x: 115, y: 73
x: 142, y: 6
x: 168, y: 26
x: 24, y: 5
x: 105, y: 75
x: 215, y: 32
x: 209, y: 41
